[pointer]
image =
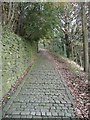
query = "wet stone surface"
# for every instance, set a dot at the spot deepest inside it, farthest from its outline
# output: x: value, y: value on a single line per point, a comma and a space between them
x: 42, y: 94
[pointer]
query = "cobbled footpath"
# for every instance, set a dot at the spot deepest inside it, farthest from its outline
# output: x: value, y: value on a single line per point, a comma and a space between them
x: 41, y: 95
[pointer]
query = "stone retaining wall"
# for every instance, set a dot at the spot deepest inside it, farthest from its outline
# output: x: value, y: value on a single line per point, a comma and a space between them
x: 17, y: 55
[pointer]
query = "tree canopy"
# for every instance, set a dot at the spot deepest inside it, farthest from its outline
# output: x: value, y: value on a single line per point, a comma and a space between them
x: 62, y: 25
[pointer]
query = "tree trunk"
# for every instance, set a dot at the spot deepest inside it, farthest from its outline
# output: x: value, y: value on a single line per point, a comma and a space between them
x: 10, y: 11
x: 37, y: 46
x: 65, y: 50
x: 72, y: 52
x: 80, y: 60
x: 89, y: 49
x: 4, y: 16
x: 12, y: 16
x: 85, y: 36
x: 67, y: 42
x: 76, y: 56
x: 20, y: 21
x: 67, y: 46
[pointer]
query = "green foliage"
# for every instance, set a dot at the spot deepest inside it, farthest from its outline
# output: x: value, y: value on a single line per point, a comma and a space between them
x: 17, y: 55
x: 40, y: 20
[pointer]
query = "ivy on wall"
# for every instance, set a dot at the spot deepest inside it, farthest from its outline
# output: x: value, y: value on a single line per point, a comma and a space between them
x: 17, y: 55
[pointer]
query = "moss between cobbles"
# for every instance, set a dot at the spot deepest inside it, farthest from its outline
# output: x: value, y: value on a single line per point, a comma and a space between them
x: 17, y: 55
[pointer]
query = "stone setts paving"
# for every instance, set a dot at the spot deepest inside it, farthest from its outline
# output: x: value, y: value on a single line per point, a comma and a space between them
x: 43, y: 94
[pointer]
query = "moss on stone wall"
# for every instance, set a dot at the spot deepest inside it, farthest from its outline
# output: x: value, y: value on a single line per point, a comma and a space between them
x: 17, y: 55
